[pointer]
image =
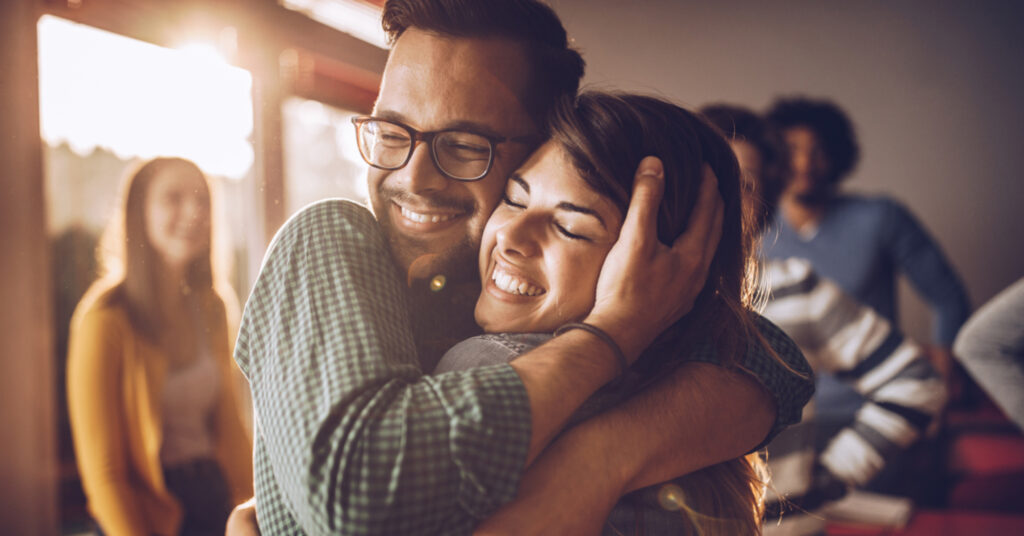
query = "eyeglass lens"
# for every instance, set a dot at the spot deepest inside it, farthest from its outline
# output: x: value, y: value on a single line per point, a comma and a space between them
x: 462, y: 155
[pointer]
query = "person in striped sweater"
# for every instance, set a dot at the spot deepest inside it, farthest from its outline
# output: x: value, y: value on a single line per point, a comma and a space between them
x: 837, y: 334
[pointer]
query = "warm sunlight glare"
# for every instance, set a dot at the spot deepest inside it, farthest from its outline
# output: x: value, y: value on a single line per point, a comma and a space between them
x: 99, y: 89
x: 358, y: 19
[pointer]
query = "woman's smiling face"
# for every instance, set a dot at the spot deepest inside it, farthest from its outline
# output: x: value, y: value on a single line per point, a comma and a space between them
x: 543, y: 247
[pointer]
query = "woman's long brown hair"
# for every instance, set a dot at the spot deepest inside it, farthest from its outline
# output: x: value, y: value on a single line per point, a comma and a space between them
x: 605, y: 136
x: 132, y: 266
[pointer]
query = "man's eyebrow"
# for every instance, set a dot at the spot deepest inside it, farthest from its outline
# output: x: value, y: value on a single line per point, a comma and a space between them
x: 473, y: 126
x: 518, y: 179
x: 461, y: 124
x: 391, y: 116
x: 565, y: 205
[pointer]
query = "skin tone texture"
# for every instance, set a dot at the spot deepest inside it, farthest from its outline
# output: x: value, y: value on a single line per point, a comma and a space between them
x: 177, y: 215
x: 543, y: 246
x: 588, y: 468
x: 433, y: 82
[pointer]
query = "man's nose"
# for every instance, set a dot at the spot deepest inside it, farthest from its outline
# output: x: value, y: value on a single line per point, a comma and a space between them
x: 420, y: 175
x: 800, y: 161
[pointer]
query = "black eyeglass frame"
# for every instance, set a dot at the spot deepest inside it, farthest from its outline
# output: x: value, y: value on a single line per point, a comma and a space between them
x: 429, y: 137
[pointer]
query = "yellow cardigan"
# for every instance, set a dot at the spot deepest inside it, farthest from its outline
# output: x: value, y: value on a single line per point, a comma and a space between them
x: 115, y: 378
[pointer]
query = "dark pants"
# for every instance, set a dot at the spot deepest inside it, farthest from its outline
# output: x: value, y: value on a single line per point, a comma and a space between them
x: 202, y: 490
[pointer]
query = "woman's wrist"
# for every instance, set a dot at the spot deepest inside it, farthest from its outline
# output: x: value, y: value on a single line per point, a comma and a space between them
x: 601, y: 335
x: 626, y: 335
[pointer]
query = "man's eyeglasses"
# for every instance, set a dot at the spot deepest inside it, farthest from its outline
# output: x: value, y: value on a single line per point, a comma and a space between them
x: 458, y: 154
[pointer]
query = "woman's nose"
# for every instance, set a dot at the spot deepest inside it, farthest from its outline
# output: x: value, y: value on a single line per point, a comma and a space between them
x: 193, y: 210
x: 520, y: 236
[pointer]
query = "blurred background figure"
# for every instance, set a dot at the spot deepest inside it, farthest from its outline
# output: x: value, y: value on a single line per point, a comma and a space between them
x: 838, y: 335
x: 862, y: 243
x: 159, y: 439
x: 991, y: 347
x: 859, y: 242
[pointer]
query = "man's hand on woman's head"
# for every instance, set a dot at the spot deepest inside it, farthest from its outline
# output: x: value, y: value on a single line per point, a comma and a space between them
x: 645, y: 286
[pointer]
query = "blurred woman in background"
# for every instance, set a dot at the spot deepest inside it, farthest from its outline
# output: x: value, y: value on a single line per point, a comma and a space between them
x: 159, y: 439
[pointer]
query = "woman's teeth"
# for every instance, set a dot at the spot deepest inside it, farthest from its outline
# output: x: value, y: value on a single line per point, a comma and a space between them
x: 425, y: 218
x: 514, y: 285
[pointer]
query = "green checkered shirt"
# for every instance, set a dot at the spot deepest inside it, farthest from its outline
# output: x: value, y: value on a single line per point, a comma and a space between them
x: 351, y: 436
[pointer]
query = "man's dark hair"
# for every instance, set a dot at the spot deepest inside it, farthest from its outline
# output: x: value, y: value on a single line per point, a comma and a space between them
x: 742, y: 124
x: 555, y: 67
x: 828, y: 122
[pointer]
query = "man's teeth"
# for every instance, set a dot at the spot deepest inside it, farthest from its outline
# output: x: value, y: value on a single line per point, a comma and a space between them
x: 425, y: 218
x: 514, y: 285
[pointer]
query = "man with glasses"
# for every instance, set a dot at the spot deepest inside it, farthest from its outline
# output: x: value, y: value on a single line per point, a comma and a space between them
x: 352, y: 437
x: 459, y: 155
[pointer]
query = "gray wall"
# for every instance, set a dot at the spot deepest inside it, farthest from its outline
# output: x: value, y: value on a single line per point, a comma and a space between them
x: 932, y: 86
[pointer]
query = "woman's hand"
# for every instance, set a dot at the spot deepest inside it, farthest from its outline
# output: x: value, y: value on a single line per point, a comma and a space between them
x: 645, y: 286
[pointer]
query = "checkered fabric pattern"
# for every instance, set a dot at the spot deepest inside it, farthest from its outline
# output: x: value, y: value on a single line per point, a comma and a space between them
x: 790, y: 389
x: 640, y: 512
x: 351, y: 437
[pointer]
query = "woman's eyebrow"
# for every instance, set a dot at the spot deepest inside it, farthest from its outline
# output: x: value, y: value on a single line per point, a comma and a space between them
x: 518, y: 179
x: 565, y: 205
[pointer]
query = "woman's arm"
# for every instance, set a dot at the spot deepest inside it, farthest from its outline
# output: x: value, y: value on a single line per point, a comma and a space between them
x: 95, y: 411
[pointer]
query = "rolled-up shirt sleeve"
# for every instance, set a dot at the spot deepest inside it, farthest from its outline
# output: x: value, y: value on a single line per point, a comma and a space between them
x: 352, y: 437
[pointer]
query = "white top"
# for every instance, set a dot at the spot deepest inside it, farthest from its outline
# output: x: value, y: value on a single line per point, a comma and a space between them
x: 189, y: 399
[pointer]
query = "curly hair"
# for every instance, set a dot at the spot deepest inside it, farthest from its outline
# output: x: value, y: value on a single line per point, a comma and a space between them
x: 828, y: 122
x: 556, y: 67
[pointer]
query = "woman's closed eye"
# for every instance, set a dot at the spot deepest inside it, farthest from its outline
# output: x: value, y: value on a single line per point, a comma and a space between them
x: 507, y: 200
x: 569, y: 234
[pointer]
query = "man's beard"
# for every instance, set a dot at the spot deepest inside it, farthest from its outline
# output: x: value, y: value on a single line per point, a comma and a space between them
x: 817, y: 195
x: 443, y: 284
x: 457, y: 264
x: 443, y: 290
x: 422, y: 259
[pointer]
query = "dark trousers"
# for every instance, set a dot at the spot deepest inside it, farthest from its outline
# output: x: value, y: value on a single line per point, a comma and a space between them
x: 202, y: 490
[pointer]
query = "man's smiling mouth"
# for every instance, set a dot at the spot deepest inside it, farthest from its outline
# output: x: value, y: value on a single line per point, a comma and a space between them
x: 425, y: 218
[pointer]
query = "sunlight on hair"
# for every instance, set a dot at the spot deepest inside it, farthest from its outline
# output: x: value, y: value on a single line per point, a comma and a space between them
x: 672, y: 498
x: 139, y: 100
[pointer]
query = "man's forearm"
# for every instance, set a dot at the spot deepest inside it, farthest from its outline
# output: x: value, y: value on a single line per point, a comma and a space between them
x: 353, y: 438
x: 558, y: 377
x: 700, y: 415
x: 647, y: 440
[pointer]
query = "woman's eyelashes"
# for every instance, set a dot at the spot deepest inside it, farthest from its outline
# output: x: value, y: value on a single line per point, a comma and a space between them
x: 506, y: 199
x: 519, y: 203
x: 570, y: 235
